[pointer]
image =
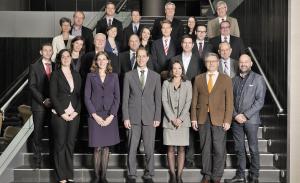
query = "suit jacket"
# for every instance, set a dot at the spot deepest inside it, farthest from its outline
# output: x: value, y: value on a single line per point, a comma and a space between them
x: 194, y: 67
x: 59, y: 44
x: 141, y: 105
x: 128, y: 31
x: 102, y: 96
x: 109, y: 49
x: 102, y: 26
x: 159, y: 59
x: 219, y: 101
x: 176, y: 109
x: 213, y: 27
x: 87, y: 34
x: 207, y: 47
x: 251, y: 99
x: 177, y: 29
x: 60, y: 94
x: 236, y: 44
x: 38, y: 85
x: 234, y: 67
x: 125, y: 63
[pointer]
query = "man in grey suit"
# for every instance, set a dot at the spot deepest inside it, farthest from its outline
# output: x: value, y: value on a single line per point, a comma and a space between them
x: 141, y: 113
x: 214, y: 24
x: 249, y: 91
x: 227, y: 65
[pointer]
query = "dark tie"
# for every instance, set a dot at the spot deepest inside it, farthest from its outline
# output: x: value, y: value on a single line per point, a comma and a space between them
x: 135, y: 29
x: 109, y: 22
x: 142, y: 78
x: 225, y: 39
x: 200, y: 49
x: 132, y: 60
x: 226, y: 69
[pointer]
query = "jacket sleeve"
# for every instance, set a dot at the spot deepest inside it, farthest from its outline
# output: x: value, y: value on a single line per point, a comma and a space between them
x: 166, y: 105
x: 88, y: 94
x: 157, y: 95
x: 116, y: 102
x: 32, y: 80
x: 188, y: 101
x: 229, y: 101
x: 259, y: 98
x: 126, y: 91
x: 53, y: 94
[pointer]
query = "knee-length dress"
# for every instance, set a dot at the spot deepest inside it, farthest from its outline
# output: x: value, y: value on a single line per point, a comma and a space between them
x: 102, y: 98
x: 176, y: 103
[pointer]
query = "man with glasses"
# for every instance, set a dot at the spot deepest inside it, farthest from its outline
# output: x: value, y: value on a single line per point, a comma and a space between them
x: 211, y: 115
x: 236, y: 43
x: 214, y: 24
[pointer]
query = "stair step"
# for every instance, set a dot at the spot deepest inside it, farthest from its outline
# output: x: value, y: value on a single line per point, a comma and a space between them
x: 160, y: 160
x: 81, y: 174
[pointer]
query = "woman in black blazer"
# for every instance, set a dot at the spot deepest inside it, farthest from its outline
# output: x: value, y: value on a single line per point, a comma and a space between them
x: 65, y: 86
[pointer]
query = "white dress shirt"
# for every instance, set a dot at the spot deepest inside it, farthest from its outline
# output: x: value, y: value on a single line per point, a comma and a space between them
x: 145, y: 74
x: 186, y: 59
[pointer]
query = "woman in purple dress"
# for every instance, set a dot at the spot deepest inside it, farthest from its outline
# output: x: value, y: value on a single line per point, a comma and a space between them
x: 102, y: 99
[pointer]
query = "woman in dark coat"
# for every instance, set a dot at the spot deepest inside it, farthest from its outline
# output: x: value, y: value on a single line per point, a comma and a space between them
x: 65, y: 84
x: 102, y: 99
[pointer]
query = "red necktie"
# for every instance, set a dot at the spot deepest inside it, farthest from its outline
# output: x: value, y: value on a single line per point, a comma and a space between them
x: 48, y: 70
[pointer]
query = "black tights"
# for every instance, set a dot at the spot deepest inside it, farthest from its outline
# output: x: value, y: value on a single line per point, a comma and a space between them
x: 101, y: 156
x: 180, y: 159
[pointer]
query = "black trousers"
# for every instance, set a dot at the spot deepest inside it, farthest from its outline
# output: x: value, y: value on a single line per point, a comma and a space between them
x: 40, y: 118
x: 64, y: 137
x: 213, y: 150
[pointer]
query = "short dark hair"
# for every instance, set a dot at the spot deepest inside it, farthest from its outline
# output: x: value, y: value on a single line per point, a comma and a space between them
x: 211, y: 54
x: 165, y: 21
x: 225, y: 21
x: 171, y: 75
x: 45, y: 44
x: 141, y: 49
x: 200, y: 25
x: 111, y: 27
x: 135, y: 9
x: 108, y: 3
x: 63, y: 20
x: 186, y: 36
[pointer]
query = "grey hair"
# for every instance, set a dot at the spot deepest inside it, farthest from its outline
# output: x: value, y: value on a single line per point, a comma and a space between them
x: 220, y: 3
x: 169, y: 3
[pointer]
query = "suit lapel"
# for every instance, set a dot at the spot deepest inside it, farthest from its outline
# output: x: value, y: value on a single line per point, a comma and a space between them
x: 217, y: 83
x: 147, y: 79
x: 245, y: 88
x: 61, y: 74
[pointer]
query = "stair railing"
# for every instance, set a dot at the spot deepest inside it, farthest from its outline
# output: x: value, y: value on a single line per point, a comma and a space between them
x: 274, y: 96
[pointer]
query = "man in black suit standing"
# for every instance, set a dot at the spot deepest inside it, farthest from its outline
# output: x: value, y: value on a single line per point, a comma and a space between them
x: 108, y: 20
x: 39, y: 75
x: 79, y: 30
x: 177, y: 26
x: 236, y: 43
x: 163, y: 50
x: 201, y: 46
x: 133, y: 28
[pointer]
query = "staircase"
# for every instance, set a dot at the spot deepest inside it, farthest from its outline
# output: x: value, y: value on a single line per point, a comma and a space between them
x: 272, y: 147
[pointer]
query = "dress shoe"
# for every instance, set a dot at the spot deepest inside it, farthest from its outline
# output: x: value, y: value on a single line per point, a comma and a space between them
x: 252, y: 180
x: 235, y: 179
x: 172, y: 178
x: 131, y: 180
x: 103, y: 180
x: 70, y: 181
x: 38, y: 164
x: 205, y: 180
x: 179, y: 179
x: 149, y: 180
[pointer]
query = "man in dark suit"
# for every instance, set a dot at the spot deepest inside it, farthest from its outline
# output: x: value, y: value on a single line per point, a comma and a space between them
x: 39, y: 75
x: 236, y: 43
x: 201, y: 46
x: 211, y: 115
x: 177, y: 26
x: 109, y: 19
x: 249, y: 91
x: 133, y: 28
x: 163, y: 50
x: 227, y: 65
x: 87, y: 59
x: 192, y: 67
x: 79, y: 30
x: 141, y: 113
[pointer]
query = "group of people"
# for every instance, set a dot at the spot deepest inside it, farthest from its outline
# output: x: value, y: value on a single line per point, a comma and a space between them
x: 180, y: 79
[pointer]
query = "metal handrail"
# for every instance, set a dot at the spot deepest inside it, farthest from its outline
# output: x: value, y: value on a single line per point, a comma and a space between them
x: 275, y: 98
x: 212, y: 7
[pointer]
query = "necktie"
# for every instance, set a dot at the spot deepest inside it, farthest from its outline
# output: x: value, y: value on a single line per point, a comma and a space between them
x: 210, y: 83
x: 142, y: 78
x: 132, y: 61
x: 166, y: 47
x: 225, y: 39
x: 200, y: 49
x: 48, y: 70
x: 135, y: 29
x: 226, y: 69
x: 223, y: 19
x: 109, y: 22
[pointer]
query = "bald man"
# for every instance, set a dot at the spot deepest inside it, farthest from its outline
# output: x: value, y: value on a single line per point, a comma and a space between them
x: 249, y: 91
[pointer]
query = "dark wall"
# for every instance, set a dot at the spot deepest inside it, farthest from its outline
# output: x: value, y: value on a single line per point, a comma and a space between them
x: 15, y: 56
x: 264, y: 27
